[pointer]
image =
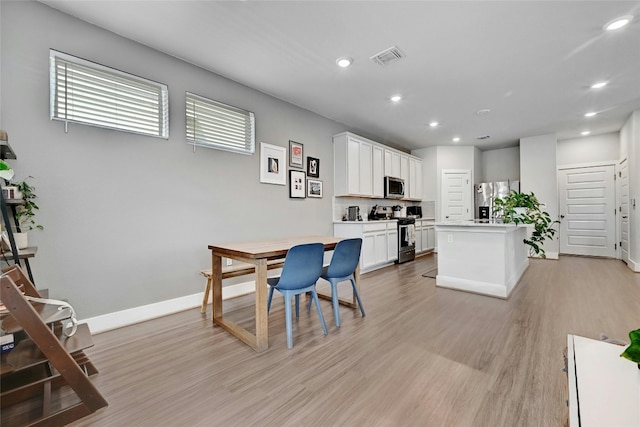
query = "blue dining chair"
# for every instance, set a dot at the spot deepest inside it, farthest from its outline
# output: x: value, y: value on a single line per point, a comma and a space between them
x: 343, y: 265
x: 300, y: 272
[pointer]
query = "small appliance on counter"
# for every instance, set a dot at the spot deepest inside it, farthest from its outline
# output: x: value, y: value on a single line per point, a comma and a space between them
x: 353, y: 214
x: 399, y: 211
x: 414, y: 212
x: 380, y: 212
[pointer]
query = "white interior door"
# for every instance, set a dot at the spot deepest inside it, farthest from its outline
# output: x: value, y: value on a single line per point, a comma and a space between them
x: 456, y: 194
x: 623, y: 209
x: 587, y: 208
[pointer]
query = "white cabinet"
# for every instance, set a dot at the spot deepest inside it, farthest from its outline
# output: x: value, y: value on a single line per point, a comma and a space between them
x: 358, y: 167
x: 404, y: 168
x: 425, y: 236
x: 377, y: 169
x: 392, y: 243
x: 431, y: 237
x: 391, y: 163
x: 415, y: 179
x: 379, y: 241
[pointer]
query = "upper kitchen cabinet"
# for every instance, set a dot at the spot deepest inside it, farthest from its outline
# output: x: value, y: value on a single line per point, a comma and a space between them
x: 415, y: 178
x: 360, y: 166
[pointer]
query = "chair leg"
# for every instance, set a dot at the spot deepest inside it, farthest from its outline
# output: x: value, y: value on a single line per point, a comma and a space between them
x: 270, y: 298
x: 297, y: 306
x: 315, y: 298
x: 355, y: 292
x: 334, y: 302
x: 205, y: 300
x: 287, y: 315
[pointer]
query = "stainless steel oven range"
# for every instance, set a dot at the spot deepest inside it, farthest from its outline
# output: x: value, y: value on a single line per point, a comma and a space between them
x: 406, y: 240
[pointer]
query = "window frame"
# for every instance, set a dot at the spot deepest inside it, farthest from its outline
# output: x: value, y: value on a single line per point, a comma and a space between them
x: 249, y: 145
x: 120, y: 78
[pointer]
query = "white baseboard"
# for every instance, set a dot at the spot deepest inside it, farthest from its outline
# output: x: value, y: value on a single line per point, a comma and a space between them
x: 634, y: 266
x: 119, y: 319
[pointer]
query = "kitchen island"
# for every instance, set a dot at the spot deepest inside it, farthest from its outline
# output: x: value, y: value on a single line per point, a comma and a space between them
x: 487, y: 258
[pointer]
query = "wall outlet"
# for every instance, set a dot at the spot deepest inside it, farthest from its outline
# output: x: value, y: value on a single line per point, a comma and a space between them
x: 229, y: 261
x: 449, y: 238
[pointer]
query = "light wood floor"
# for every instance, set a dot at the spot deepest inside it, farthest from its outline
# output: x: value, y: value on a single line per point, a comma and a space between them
x: 422, y: 356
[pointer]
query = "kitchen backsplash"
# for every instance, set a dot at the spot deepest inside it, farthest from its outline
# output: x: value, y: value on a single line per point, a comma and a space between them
x: 341, y: 205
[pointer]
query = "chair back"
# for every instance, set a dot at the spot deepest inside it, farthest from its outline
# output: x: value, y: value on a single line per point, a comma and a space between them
x: 302, y: 266
x: 345, y: 258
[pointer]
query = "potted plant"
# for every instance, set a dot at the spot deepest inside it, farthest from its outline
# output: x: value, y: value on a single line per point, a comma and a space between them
x: 524, y: 208
x: 25, y: 213
x: 633, y: 351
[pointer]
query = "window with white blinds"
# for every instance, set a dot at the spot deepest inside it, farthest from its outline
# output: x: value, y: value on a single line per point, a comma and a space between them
x: 92, y: 94
x: 216, y: 125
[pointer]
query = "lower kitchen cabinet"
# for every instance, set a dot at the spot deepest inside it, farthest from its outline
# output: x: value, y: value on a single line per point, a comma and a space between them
x: 425, y: 236
x: 379, y: 241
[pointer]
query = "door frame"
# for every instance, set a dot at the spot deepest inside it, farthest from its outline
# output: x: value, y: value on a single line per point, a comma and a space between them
x: 619, y: 201
x: 471, y: 201
x: 615, y: 164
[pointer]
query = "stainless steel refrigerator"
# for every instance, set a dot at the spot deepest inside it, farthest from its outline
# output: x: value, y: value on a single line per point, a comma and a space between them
x: 485, y: 192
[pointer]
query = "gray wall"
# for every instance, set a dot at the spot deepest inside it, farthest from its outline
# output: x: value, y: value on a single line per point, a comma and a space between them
x: 538, y: 174
x: 501, y: 164
x: 589, y: 149
x: 128, y: 218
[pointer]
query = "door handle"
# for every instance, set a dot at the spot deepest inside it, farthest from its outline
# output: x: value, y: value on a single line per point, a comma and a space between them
x: 624, y: 217
x: 561, y: 216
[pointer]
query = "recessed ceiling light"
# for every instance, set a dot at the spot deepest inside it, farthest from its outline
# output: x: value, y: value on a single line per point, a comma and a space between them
x: 599, y: 85
x: 618, y: 23
x: 456, y: 139
x: 585, y: 133
x: 483, y: 111
x: 590, y: 114
x: 396, y: 98
x: 344, y: 61
x: 434, y: 124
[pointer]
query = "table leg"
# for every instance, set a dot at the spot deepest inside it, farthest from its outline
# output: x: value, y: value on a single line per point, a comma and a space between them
x: 262, y: 317
x: 216, y: 286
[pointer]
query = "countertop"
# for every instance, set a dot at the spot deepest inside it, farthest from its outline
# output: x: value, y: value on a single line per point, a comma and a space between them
x: 364, y: 221
x: 478, y: 223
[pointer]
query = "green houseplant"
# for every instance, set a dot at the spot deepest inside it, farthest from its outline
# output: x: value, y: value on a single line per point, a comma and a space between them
x: 25, y: 213
x: 524, y: 208
x: 633, y: 351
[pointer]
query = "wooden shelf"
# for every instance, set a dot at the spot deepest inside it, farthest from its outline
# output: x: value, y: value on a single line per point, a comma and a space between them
x: 44, y: 359
x: 29, y: 252
x: 6, y: 152
x: 27, y: 354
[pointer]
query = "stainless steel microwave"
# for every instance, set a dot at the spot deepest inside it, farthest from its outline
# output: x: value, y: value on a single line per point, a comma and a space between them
x: 393, y: 187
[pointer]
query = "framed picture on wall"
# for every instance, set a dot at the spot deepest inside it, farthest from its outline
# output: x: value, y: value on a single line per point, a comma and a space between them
x: 313, y: 167
x: 296, y: 155
x: 273, y: 164
x: 314, y: 188
x: 297, y: 184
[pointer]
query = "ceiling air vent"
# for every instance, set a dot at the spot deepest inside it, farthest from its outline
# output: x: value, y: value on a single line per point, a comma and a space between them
x: 388, y: 56
x: 483, y: 137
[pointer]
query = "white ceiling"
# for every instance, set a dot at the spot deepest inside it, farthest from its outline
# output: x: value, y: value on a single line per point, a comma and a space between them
x: 530, y: 62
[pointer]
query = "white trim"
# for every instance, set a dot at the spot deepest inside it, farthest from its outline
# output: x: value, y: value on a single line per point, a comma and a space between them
x: 143, y: 313
x: 634, y: 266
x: 588, y: 165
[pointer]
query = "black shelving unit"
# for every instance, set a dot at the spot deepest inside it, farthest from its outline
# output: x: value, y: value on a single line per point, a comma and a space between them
x: 19, y: 256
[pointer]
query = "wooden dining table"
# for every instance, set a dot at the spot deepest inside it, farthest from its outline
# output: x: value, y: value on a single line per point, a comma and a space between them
x: 257, y: 253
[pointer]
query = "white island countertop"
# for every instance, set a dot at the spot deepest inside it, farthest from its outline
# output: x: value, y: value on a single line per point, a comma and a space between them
x: 478, y: 223
x: 484, y: 257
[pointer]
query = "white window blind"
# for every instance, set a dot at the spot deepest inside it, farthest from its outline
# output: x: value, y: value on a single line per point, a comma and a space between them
x: 216, y: 125
x: 92, y: 94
